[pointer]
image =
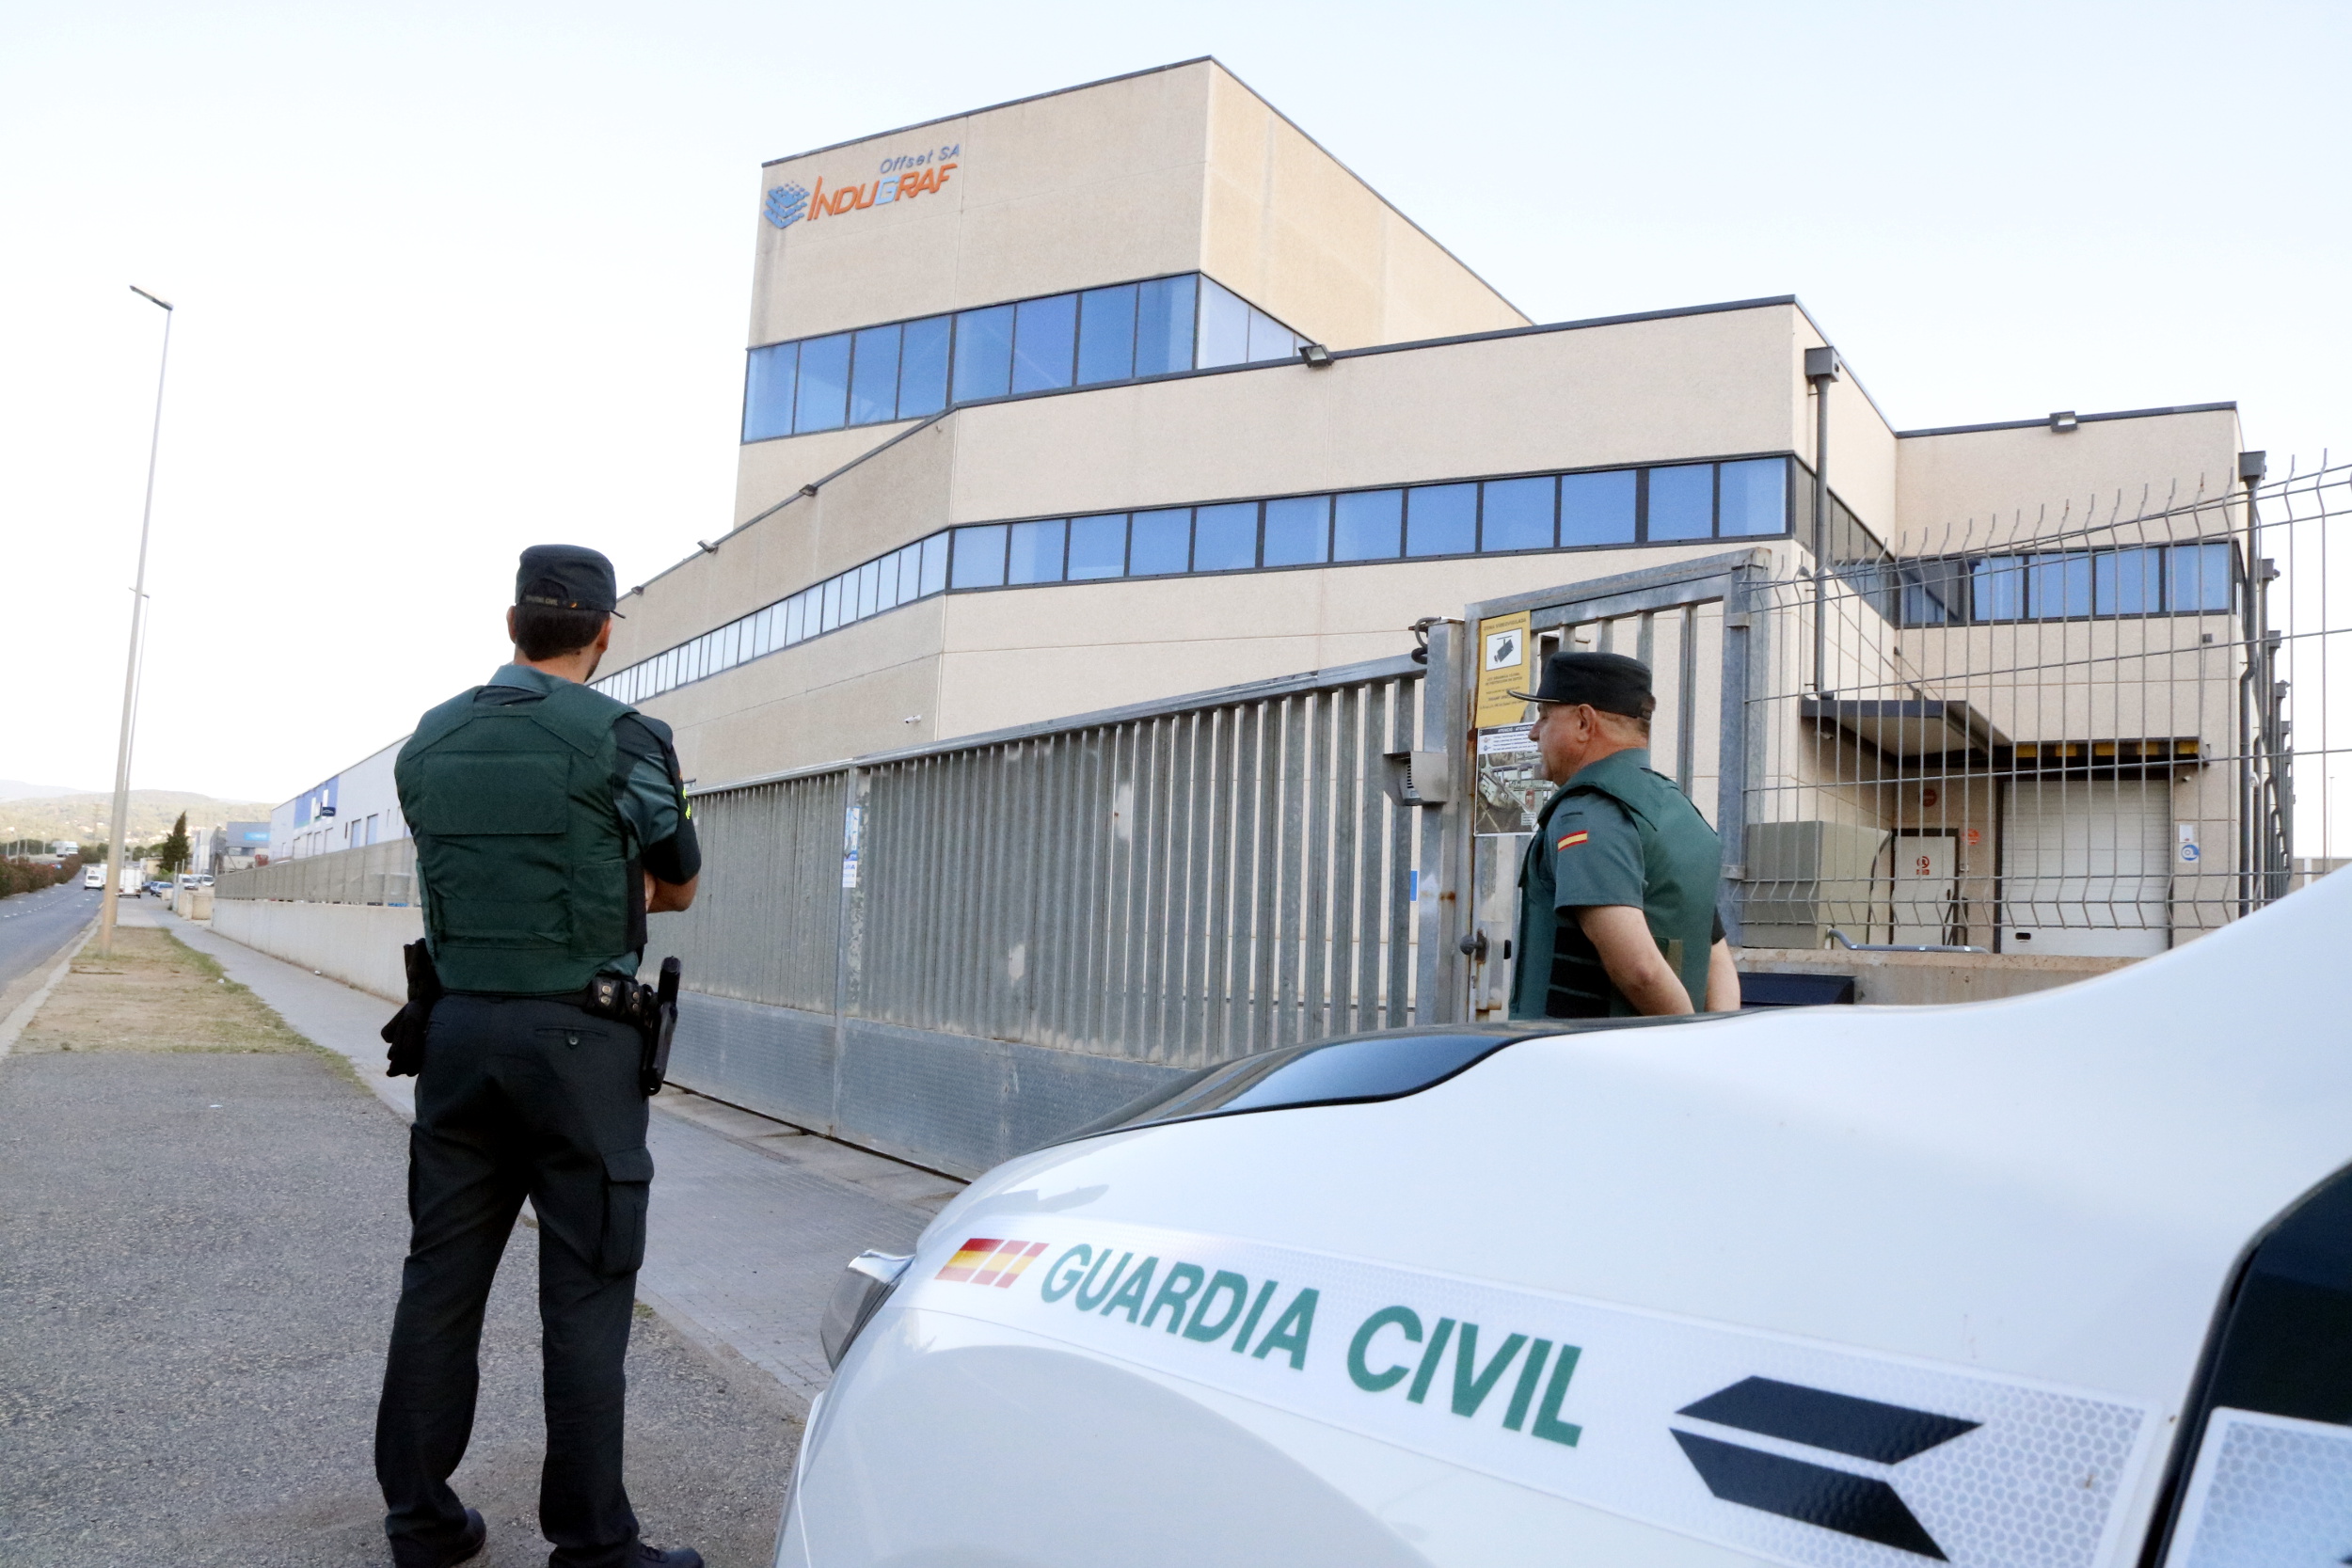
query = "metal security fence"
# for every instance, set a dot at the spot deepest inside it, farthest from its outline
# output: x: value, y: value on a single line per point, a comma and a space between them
x: 766, y: 922
x: 2095, y: 730
x: 1174, y: 883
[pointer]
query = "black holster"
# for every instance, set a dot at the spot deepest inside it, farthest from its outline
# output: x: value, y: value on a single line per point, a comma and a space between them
x: 652, y: 1011
x: 405, y: 1033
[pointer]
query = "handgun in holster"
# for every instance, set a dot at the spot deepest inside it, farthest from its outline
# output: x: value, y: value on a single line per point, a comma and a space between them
x: 405, y: 1033
x: 655, y: 1065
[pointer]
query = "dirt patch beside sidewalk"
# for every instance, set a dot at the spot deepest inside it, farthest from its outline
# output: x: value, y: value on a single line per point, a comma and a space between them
x: 154, y: 994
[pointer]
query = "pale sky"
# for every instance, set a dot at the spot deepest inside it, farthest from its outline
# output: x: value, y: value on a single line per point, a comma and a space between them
x: 454, y: 278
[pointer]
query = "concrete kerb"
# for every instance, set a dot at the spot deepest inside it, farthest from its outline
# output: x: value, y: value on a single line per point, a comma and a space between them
x: 18, y: 1021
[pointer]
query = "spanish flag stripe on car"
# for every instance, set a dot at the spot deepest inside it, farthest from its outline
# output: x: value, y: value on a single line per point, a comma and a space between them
x: 987, y: 1261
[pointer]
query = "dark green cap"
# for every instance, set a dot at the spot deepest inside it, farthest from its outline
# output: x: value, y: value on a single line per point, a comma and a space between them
x: 566, y: 576
x: 1610, y: 682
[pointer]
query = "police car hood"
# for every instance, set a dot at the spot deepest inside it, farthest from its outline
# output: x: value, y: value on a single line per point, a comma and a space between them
x: 2052, y: 1188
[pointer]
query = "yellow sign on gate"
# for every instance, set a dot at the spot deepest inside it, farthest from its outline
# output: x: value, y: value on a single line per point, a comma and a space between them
x: 1504, y: 666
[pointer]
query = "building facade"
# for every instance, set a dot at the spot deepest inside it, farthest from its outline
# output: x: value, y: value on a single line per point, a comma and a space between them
x: 1134, y: 389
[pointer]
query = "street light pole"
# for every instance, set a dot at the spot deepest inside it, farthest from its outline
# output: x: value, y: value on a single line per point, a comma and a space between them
x: 130, y: 667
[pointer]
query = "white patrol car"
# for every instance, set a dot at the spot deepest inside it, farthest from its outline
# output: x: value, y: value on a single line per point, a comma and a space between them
x: 2063, y: 1280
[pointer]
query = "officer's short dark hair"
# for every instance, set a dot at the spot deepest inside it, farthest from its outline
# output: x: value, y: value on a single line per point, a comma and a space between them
x: 544, y: 631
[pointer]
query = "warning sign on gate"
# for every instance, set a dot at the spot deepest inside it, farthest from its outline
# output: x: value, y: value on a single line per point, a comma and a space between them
x: 1503, y: 668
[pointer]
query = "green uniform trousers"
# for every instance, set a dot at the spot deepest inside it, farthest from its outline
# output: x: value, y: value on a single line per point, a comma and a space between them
x: 519, y: 1096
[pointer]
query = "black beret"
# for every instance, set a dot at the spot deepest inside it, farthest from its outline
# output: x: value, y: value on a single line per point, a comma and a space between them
x: 566, y: 576
x: 1610, y: 682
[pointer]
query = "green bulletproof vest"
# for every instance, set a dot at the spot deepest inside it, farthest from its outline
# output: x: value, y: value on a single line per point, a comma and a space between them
x: 520, y: 846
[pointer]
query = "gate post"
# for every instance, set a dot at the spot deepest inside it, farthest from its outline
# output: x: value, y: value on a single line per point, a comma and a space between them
x: 1439, y: 984
x: 1747, y: 649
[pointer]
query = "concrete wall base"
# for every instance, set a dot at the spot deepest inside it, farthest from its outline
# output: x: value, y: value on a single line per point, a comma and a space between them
x: 1913, y: 979
x: 952, y: 1102
x: 357, y: 943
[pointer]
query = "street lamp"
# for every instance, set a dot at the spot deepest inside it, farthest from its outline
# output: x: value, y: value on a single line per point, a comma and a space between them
x: 131, y: 664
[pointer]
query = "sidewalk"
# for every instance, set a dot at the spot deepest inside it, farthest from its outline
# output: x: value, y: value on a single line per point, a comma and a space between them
x: 752, y: 1220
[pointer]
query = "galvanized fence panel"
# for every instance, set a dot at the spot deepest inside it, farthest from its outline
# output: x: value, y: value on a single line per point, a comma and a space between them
x: 765, y: 923
x: 1175, y: 886
x: 2099, y: 730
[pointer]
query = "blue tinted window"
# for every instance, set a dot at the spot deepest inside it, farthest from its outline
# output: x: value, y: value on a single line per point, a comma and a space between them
x: 1598, y: 509
x: 1225, y: 538
x: 1162, y: 542
x: 1755, y: 498
x: 1368, y: 525
x: 824, y: 394
x: 893, y: 576
x: 874, y: 376
x: 935, y: 564
x: 1037, y: 551
x: 1517, y: 514
x: 1163, y: 326
x: 1044, y: 343
x: 923, y: 368
x: 983, y: 353
x: 795, y: 608
x: 1106, y: 335
x: 1997, y: 588
x: 833, y: 606
x: 1298, y: 530
x: 1441, y: 520
x: 2127, y: 582
x: 768, y: 381
x: 2200, y: 578
x: 980, y: 555
x: 868, y: 589
x: 1682, y: 502
x: 1269, y: 339
x: 1098, y: 547
x: 2061, y: 586
x: 1224, y: 326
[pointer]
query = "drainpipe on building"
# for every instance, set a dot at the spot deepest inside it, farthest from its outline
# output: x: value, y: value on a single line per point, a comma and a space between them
x: 2251, y: 466
x: 1821, y: 368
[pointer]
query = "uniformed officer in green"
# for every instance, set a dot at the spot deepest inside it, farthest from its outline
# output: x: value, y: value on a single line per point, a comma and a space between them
x: 1617, y: 890
x: 550, y: 819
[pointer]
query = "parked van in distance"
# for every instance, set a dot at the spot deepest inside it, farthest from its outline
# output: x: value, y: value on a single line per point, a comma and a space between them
x: 93, y: 876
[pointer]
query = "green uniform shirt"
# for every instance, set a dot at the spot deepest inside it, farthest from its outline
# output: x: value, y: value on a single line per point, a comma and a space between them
x: 654, y: 812
x: 1616, y: 833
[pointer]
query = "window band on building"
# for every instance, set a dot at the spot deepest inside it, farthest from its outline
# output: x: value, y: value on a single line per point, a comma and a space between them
x: 1609, y: 509
x: 912, y: 369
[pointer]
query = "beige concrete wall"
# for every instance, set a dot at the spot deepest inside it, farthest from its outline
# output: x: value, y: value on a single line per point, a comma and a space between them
x: 1288, y: 228
x: 1862, y: 445
x: 971, y: 662
x: 896, y: 497
x: 357, y: 943
x: 1641, y: 392
x: 1684, y: 386
x: 1168, y: 171
x: 768, y: 472
x: 1989, y: 478
x: 1915, y: 979
x: 1095, y: 186
x: 837, y: 696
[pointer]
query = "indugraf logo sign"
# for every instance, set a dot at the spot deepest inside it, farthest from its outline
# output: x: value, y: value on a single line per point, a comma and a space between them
x: 902, y: 177
x: 1804, y: 1453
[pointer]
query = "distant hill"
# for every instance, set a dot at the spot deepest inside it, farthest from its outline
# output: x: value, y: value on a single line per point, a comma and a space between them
x: 84, y: 815
x: 16, y: 789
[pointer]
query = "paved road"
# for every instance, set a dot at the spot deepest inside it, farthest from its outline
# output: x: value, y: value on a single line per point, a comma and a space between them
x: 33, y: 925
x: 197, y: 1270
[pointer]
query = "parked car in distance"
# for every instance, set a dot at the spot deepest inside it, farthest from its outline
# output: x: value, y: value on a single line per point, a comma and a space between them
x: 155, y: 885
x: 2060, y: 1280
x: 93, y: 876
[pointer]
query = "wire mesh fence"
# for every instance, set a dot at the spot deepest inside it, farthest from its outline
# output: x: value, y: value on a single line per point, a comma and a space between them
x: 2080, y: 734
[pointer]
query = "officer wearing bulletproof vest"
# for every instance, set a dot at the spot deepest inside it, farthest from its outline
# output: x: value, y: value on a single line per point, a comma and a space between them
x: 1617, y: 890
x: 550, y: 819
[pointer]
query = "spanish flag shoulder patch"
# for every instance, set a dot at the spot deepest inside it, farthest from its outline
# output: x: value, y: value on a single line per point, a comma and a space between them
x: 1569, y: 841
